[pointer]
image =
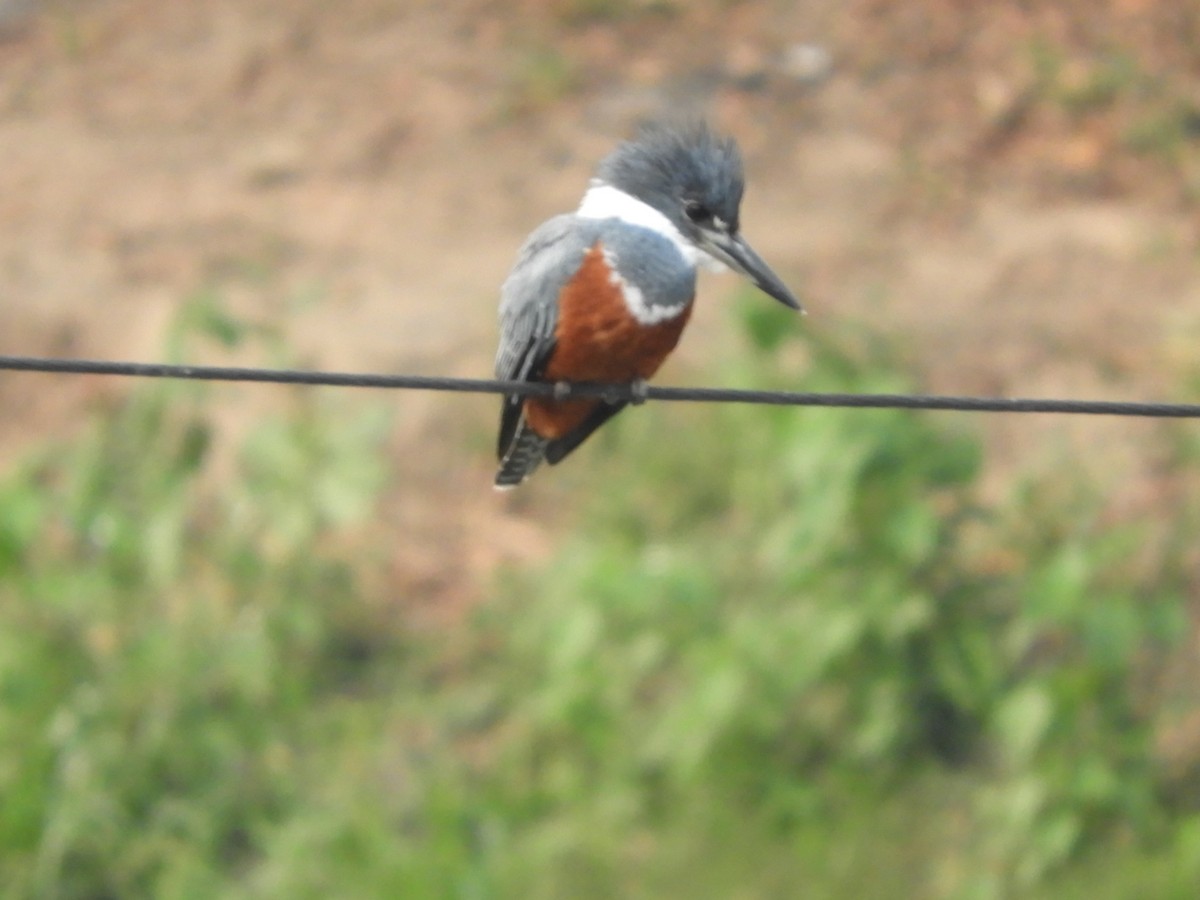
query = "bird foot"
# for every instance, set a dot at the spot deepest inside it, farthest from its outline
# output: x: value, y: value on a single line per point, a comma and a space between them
x: 638, y: 391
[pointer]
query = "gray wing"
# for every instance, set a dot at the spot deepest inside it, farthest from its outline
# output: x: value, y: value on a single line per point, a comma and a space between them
x: 529, y: 297
x: 529, y: 307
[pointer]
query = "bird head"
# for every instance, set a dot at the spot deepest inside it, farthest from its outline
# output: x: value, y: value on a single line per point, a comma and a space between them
x: 695, y: 179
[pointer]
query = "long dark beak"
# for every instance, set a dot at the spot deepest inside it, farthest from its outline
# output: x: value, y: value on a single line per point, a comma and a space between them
x: 740, y: 256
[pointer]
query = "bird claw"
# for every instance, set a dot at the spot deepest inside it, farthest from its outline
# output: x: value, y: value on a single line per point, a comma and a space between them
x: 638, y: 391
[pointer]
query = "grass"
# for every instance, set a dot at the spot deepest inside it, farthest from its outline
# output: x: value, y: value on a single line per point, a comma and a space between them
x: 788, y: 651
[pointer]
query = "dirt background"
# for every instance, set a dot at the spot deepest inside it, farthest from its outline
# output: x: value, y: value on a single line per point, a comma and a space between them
x: 1009, y: 189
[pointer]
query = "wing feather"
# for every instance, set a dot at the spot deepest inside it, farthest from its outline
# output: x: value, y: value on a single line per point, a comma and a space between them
x: 529, y: 309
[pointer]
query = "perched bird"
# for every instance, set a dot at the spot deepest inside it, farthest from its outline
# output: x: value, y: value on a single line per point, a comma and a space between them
x: 603, y: 294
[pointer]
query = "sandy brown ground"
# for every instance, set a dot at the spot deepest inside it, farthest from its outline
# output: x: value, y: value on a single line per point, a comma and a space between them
x: 388, y: 158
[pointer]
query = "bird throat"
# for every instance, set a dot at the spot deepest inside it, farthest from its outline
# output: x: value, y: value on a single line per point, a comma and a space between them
x: 603, y: 201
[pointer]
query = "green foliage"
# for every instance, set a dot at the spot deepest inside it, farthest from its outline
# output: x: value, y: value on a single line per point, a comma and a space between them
x: 162, y: 641
x: 785, y: 609
x: 781, y: 648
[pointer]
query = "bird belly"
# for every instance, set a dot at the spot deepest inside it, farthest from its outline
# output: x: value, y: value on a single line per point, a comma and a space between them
x: 598, y: 338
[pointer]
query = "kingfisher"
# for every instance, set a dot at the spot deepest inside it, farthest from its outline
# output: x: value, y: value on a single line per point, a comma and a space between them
x: 603, y: 294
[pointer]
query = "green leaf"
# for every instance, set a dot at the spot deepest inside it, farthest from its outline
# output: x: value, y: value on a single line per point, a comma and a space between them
x: 1022, y: 721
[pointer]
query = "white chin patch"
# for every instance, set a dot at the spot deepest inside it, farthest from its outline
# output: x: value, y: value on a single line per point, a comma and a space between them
x: 603, y: 201
x: 712, y: 264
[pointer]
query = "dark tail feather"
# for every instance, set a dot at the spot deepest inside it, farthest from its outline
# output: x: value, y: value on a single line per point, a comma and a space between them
x: 525, y: 452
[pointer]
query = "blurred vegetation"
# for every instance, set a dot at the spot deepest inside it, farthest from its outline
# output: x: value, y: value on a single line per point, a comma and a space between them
x: 541, y: 76
x: 1161, y: 118
x: 786, y: 652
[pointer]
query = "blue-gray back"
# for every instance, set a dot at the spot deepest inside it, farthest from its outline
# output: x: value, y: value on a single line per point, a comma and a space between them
x: 553, y: 254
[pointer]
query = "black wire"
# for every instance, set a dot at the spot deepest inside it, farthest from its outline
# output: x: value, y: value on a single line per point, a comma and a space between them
x: 613, y: 393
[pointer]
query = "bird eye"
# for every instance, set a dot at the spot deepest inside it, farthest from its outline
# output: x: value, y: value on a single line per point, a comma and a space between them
x: 697, y: 211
